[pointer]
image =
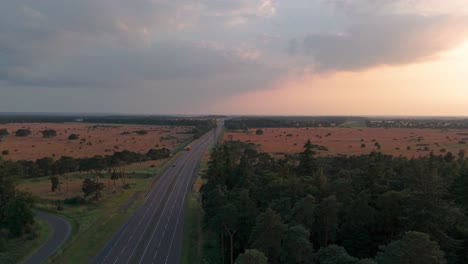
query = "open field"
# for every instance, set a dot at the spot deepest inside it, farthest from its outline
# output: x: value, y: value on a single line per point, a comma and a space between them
x: 94, y: 139
x: 96, y: 221
x: 355, y: 141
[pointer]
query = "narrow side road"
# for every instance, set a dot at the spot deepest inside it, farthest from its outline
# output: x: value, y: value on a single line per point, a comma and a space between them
x: 60, y: 230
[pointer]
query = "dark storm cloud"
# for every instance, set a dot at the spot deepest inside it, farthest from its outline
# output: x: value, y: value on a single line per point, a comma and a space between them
x: 106, y: 43
x: 385, y: 40
x: 110, y: 66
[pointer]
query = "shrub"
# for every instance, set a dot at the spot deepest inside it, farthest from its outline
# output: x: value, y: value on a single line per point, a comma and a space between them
x: 73, y: 137
x: 259, y: 132
x: 5, y: 152
x: 22, y: 132
x: 4, y: 132
x: 76, y: 200
x: 141, y: 132
x: 49, y: 133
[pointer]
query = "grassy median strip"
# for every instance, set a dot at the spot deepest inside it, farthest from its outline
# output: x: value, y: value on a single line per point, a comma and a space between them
x: 193, y: 217
x: 18, y: 249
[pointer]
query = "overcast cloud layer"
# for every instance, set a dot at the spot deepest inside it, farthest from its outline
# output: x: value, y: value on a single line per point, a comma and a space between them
x: 176, y: 56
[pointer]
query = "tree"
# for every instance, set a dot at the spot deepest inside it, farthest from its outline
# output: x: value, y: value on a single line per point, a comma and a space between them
x: 54, y: 183
x: 459, y: 188
x: 45, y: 165
x: 307, y: 164
x: 334, y: 254
x: 16, y: 215
x: 412, y: 248
x: 296, y: 246
x: 156, y: 154
x: 65, y: 165
x: 305, y: 212
x: 268, y: 234
x: 22, y: 132
x: 327, y: 221
x: 91, y: 187
x: 252, y: 256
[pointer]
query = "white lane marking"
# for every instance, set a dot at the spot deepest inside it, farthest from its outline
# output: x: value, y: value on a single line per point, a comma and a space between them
x: 188, y: 180
x: 143, y: 206
x: 159, y: 220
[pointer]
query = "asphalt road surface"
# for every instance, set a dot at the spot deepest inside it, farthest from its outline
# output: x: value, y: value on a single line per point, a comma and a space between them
x: 153, y: 234
x: 60, y: 230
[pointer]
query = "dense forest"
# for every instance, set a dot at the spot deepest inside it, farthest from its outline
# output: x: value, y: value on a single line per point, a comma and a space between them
x: 344, y: 209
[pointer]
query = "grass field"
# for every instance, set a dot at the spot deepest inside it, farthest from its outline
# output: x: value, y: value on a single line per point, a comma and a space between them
x: 94, y: 139
x: 20, y: 248
x: 41, y: 188
x: 356, y: 140
x: 99, y: 221
x: 94, y: 223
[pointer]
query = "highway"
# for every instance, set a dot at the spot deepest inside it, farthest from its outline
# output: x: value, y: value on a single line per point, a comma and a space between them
x: 153, y: 234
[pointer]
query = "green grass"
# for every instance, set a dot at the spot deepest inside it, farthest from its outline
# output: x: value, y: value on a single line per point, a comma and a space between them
x: 17, y: 249
x: 99, y: 221
x: 192, y: 239
x: 93, y: 224
x: 193, y: 235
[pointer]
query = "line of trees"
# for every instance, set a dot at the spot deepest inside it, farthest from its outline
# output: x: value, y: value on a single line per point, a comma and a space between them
x: 48, y: 166
x: 419, y: 123
x: 265, y: 122
x: 16, y: 215
x: 359, y: 209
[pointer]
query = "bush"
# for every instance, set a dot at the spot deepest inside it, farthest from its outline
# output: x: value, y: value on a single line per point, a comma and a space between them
x: 259, y: 132
x: 49, y: 133
x: 22, y: 132
x: 5, y: 152
x: 73, y: 137
x: 76, y: 200
x: 4, y: 132
x: 141, y: 132
x: 3, y: 244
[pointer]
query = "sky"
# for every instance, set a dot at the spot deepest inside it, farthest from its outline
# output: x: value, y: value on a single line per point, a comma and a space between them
x: 241, y: 57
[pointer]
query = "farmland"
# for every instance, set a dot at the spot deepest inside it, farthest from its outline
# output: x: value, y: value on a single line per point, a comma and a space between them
x: 93, y: 139
x: 408, y: 142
